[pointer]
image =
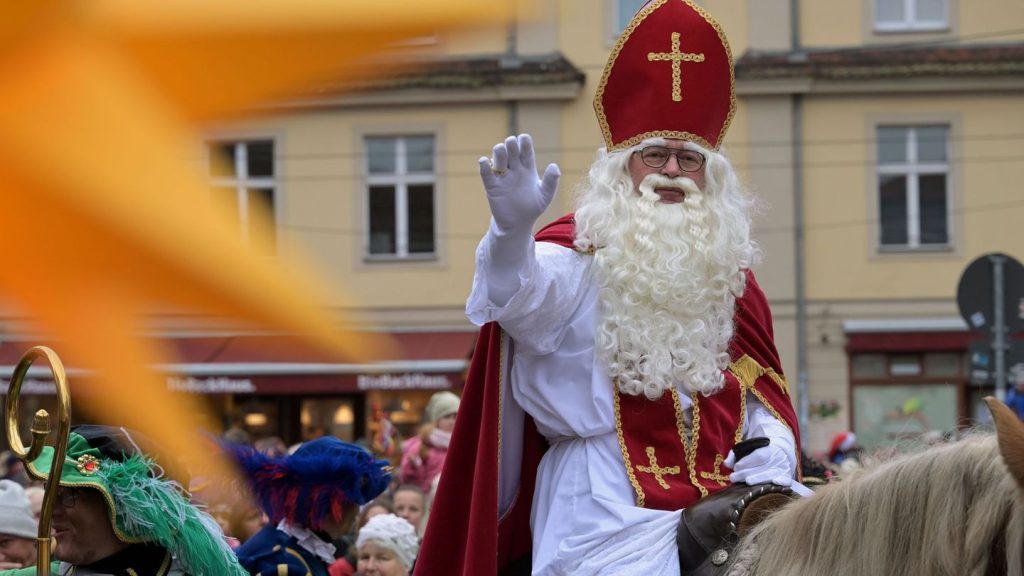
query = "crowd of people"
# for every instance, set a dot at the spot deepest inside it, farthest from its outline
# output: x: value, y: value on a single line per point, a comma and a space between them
x: 321, y: 508
x: 324, y: 507
x: 299, y: 513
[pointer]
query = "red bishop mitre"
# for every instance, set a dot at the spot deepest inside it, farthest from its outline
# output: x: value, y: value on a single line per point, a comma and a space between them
x: 670, y: 75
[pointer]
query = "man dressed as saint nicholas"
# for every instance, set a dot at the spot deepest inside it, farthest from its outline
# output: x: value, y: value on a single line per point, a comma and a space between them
x: 627, y: 347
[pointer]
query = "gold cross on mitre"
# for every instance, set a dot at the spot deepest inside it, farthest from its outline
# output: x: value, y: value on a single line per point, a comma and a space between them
x: 717, y: 475
x: 658, y: 471
x: 675, y: 56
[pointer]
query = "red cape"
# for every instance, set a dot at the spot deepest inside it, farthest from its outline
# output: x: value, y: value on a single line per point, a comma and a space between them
x: 461, y: 537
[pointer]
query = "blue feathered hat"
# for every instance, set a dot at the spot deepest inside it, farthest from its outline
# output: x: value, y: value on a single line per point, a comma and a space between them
x: 315, y: 483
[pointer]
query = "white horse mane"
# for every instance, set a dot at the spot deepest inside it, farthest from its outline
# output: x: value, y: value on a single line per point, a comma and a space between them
x: 940, y: 512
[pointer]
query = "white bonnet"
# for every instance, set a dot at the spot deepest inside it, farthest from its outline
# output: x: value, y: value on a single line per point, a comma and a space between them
x: 393, y: 533
x: 442, y: 404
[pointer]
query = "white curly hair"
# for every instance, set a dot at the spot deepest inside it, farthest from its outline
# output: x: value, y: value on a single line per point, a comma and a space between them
x: 668, y: 274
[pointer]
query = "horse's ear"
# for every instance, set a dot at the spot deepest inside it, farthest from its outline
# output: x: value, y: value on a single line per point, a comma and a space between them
x: 1010, y: 431
x: 759, y: 509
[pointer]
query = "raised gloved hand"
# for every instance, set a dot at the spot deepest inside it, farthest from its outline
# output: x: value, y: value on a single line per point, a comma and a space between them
x: 770, y: 463
x: 516, y: 196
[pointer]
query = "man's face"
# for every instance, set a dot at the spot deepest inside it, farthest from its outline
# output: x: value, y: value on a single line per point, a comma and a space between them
x: 252, y: 521
x: 638, y: 170
x: 338, y: 528
x: 17, y: 550
x: 83, y: 531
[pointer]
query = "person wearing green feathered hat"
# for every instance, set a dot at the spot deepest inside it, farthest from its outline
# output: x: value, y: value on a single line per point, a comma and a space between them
x: 117, y: 514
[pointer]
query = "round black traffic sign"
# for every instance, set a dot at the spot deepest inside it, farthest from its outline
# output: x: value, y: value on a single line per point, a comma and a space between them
x: 975, y: 293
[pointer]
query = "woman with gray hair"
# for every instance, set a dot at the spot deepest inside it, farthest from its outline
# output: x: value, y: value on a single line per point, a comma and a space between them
x: 387, y: 546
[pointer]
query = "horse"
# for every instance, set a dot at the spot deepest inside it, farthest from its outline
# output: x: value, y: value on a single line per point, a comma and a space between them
x: 952, y: 510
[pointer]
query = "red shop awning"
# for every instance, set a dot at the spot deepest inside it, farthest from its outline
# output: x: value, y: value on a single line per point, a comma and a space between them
x: 281, y: 364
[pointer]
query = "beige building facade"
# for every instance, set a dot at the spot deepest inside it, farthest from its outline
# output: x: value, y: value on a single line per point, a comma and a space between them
x: 883, y: 138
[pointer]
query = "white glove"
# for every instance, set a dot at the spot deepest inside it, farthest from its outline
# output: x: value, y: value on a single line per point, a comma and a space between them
x: 770, y: 463
x: 517, y: 198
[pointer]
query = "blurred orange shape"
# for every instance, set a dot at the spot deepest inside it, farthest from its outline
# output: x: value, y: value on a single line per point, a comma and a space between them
x: 104, y: 206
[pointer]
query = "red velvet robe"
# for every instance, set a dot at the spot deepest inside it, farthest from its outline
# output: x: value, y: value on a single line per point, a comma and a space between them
x: 465, y: 535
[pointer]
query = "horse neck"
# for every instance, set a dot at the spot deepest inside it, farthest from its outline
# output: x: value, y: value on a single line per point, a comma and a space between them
x: 942, y: 511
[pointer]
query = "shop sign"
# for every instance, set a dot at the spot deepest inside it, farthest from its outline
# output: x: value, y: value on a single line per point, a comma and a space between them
x: 211, y: 385
x: 407, y: 381
x: 202, y: 385
x: 32, y: 386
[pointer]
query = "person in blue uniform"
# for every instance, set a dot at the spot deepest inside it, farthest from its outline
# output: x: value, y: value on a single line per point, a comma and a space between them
x: 312, y: 497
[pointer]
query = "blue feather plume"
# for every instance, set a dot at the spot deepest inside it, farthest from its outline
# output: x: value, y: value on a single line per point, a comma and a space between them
x: 315, y: 483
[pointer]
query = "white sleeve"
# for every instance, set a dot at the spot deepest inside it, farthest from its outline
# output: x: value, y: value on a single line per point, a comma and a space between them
x: 550, y: 288
x: 761, y: 422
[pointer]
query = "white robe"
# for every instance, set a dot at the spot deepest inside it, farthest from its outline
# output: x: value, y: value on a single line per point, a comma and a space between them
x: 584, y: 519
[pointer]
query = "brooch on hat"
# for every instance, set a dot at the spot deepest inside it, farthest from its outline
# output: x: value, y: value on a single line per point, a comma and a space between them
x: 88, y: 464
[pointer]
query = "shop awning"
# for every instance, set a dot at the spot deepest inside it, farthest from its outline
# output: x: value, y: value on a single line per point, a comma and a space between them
x: 911, y: 335
x: 282, y: 364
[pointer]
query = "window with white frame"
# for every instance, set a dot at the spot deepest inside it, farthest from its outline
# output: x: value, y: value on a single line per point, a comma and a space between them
x: 242, y: 173
x: 913, y: 186
x: 624, y: 11
x: 911, y: 15
x: 400, y: 185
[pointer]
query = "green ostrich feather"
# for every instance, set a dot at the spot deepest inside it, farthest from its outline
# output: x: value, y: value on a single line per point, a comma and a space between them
x: 149, y: 509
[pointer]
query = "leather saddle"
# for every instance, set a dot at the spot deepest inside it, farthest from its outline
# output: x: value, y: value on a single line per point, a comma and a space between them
x: 711, y: 527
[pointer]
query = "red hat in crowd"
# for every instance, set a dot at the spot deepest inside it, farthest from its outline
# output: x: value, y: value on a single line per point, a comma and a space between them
x: 841, y: 443
x: 670, y: 75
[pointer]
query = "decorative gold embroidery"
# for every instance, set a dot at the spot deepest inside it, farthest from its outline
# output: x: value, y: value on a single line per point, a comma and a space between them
x: 165, y: 566
x: 779, y: 379
x: 737, y: 436
x: 88, y: 464
x: 717, y: 475
x: 293, y: 552
x: 764, y: 402
x: 501, y: 389
x: 503, y: 356
x: 747, y: 371
x: 689, y: 446
x: 658, y: 471
x: 602, y: 119
x: 676, y: 57
x: 622, y: 446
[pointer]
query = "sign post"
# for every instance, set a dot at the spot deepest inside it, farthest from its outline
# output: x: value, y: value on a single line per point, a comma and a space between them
x: 991, y: 299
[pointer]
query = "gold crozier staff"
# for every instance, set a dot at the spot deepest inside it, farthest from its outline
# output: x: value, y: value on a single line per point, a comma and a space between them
x: 40, y: 429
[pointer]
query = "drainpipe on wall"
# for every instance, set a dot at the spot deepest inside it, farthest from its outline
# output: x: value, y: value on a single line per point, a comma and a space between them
x: 797, y: 53
x: 511, y: 60
x: 799, y: 265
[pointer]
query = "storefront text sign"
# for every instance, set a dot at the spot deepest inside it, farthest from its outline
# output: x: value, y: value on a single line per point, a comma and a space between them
x: 413, y: 381
x: 211, y: 385
x: 32, y: 386
x: 202, y: 385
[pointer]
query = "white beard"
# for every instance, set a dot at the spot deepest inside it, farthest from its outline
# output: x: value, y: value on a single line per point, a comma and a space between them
x: 668, y: 277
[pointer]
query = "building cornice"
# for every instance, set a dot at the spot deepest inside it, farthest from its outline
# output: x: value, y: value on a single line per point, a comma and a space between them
x: 882, y: 69
x: 459, y: 80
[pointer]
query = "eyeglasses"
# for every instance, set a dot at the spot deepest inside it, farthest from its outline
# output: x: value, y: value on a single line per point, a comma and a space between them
x: 657, y: 156
x: 67, y: 497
